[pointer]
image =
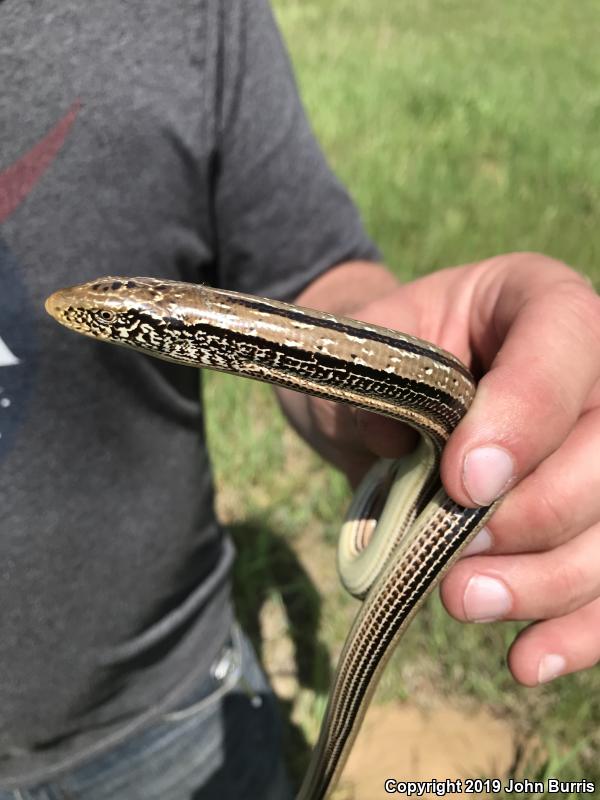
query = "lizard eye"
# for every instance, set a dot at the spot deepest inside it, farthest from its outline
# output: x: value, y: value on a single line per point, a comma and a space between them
x: 106, y: 316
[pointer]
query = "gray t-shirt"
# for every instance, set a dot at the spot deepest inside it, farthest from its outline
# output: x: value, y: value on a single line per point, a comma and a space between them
x: 161, y: 139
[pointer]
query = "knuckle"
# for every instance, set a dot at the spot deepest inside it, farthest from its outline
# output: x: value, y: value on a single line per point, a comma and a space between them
x: 520, y: 257
x: 543, y: 397
x: 582, y: 304
x: 567, y: 584
x: 550, y: 517
x: 559, y: 401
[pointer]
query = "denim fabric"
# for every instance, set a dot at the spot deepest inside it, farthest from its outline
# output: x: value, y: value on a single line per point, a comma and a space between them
x: 222, y: 743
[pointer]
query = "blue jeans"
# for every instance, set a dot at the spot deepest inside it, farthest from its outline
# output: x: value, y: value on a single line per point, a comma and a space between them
x: 222, y: 743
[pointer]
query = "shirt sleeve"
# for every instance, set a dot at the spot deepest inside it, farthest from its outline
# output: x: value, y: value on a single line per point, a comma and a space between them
x: 281, y: 216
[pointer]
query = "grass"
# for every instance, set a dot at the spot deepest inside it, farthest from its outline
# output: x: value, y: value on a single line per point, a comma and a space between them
x: 463, y: 128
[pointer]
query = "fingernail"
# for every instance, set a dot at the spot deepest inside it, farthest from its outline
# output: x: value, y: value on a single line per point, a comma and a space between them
x: 481, y: 543
x: 487, y: 472
x: 486, y: 599
x: 551, y: 666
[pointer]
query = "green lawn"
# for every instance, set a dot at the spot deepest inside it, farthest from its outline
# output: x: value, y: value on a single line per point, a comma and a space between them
x: 463, y: 129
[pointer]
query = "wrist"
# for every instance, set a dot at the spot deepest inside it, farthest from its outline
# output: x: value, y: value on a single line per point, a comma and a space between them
x: 348, y: 286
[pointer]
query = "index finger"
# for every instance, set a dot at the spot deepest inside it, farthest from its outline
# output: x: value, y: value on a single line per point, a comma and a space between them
x: 544, y: 322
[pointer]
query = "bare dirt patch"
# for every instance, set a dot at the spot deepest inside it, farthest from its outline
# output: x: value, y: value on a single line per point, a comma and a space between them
x: 407, y: 743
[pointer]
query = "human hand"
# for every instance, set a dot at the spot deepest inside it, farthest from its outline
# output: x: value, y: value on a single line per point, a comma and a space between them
x: 529, y: 327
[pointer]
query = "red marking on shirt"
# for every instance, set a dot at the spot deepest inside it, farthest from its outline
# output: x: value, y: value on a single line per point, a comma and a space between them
x: 19, y: 179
